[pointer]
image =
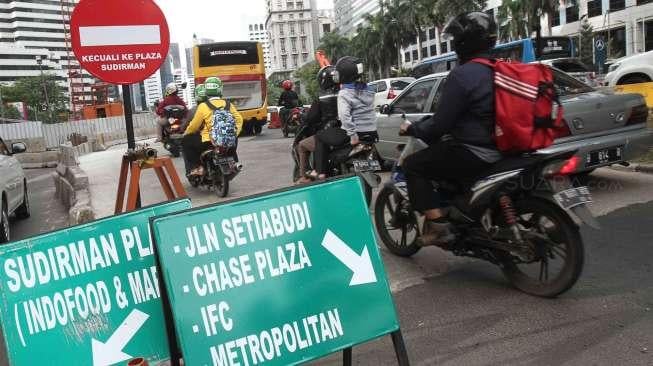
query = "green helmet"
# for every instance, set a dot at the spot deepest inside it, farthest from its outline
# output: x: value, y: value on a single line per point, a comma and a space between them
x: 213, y: 87
x: 200, y: 93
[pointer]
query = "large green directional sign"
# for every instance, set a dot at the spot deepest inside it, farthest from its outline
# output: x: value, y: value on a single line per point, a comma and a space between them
x: 87, y: 295
x: 278, y: 279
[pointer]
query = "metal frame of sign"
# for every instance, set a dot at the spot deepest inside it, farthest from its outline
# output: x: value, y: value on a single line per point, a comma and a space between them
x: 398, y: 342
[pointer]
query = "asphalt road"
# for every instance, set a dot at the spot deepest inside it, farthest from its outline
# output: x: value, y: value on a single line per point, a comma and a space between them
x: 457, y: 311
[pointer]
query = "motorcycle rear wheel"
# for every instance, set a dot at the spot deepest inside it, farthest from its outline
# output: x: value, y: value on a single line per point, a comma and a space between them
x: 221, y: 185
x: 404, y: 242
x: 563, y: 242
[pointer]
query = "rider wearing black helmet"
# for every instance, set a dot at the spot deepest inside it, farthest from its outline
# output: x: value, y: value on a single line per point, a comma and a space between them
x: 355, y: 112
x: 466, y: 119
x: 323, y: 113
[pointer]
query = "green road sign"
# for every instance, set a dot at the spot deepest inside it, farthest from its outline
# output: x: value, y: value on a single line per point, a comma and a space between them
x: 87, y: 295
x: 282, y: 278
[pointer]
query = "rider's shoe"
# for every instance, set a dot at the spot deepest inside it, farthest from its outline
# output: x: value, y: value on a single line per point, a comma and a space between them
x: 436, y: 233
x: 199, y: 171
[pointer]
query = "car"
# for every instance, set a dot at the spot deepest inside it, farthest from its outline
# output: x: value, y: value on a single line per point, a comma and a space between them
x: 631, y: 70
x: 575, y: 68
x: 387, y: 89
x: 13, y: 186
x: 602, y: 127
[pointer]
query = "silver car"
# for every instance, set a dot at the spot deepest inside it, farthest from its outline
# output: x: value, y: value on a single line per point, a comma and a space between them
x: 604, y: 128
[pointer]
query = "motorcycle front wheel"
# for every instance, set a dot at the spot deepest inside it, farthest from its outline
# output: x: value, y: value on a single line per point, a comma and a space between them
x: 221, y: 184
x: 396, y: 223
x: 558, y: 248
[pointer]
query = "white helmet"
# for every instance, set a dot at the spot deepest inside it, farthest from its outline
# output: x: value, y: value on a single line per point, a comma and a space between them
x: 171, y: 88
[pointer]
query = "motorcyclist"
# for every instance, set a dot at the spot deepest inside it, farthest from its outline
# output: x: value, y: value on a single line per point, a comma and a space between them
x: 355, y: 111
x: 200, y: 97
x: 323, y: 113
x: 287, y: 100
x: 466, y: 118
x: 203, y: 122
x: 171, y: 98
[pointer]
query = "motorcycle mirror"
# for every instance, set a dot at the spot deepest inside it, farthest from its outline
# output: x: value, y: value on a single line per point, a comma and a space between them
x: 386, y: 109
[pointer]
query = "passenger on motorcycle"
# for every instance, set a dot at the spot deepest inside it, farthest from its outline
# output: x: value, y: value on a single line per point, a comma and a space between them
x: 323, y: 113
x: 355, y: 111
x: 171, y: 98
x: 202, y: 122
x: 287, y: 100
x: 466, y: 119
x: 200, y: 97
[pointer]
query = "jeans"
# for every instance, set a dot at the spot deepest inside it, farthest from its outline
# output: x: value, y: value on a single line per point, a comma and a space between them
x: 193, y: 148
x: 447, y: 161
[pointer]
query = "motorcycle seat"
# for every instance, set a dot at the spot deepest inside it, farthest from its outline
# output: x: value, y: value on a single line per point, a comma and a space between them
x: 206, y: 155
x: 340, y: 155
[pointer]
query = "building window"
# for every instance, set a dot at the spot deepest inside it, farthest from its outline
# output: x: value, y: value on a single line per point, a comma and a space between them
x: 424, y: 51
x: 280, y: 16
x: 434, y: 50
x: 326, y: 28
x: 444, y: 47
x: 407, y: 57
x: 295, y: 60
x: 293, y: 43
x: 283, y: 45
x: 304, y: 57
x: 299, y: 5
x: 301, y: 15
x: 303, y: 43
x: 290, y: 5
x: 555, y: 21
x: 432, y: 33
x: 617, y: 5
x: 595, y: 8
x: 251, y: 28
x: 415, y: 55
x: 282, y: 29
x: 572, y: 13
x: 302, y: 28
x: 292, y: 28
x: 422, y: 36
x: 284, y: 61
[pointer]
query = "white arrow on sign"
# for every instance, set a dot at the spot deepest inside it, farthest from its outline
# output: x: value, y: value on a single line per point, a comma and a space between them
x: 110, y: 352
x: 361, y: 265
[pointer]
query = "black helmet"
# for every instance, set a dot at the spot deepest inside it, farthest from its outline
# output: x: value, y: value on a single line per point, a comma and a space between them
x: 472, y: 33
x: 348, y: 70
x: 325, y: 77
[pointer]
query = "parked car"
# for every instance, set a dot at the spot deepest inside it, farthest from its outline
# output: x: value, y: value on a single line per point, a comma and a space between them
x: 575, y: 68
x: 13, y: 186
x: 603, y: 128
x: 387, y: 89
x: 631, y: 70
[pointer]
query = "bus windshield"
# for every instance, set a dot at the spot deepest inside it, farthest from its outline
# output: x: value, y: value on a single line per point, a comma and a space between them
x: 230, y: 53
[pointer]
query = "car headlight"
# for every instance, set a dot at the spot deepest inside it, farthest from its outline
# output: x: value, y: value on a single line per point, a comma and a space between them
x: 614, y: 67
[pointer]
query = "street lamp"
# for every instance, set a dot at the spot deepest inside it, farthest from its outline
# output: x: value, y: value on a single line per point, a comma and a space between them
x: 39, y: 61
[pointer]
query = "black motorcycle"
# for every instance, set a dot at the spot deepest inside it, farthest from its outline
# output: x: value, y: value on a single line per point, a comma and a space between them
x: 521, y: 215
x: 172, y: 131
x: 362, y: 160
x: 293, y: 121
x: 220, y: 168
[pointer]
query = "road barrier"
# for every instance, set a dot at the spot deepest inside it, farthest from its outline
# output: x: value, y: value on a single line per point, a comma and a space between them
x: 55, y: 134
x: 645, y: 89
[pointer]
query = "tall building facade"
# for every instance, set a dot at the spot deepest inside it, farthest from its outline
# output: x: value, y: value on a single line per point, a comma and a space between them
x: 258, y: 33
x: 31, y: 29
x: 349, y: 14
x: 290, y: 26
x: 153, y: 89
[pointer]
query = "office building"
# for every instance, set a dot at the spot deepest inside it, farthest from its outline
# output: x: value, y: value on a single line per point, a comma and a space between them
x: 349, y: 14
x: 153, y: 89
x: 258, y: 33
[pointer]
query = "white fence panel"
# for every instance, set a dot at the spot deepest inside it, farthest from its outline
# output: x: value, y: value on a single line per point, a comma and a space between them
x: 23, y: 130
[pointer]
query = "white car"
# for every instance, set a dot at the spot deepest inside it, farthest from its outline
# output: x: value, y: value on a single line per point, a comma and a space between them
x: 14, y: 187
x: 631, y: 70
x: 388, y: 89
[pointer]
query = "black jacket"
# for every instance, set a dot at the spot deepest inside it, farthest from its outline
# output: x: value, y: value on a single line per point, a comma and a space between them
x: 465, y: 109
x: 288, y: 99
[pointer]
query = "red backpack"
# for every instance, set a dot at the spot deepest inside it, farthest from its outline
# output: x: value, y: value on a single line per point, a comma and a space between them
x: 524, y: 96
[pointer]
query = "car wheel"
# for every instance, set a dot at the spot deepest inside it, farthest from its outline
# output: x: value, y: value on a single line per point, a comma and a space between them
x: 634, y: 79
x: 4, y: 224
x: 23, y: 211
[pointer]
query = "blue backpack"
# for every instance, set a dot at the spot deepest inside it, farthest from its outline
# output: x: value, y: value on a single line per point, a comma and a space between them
x: 223, y: 132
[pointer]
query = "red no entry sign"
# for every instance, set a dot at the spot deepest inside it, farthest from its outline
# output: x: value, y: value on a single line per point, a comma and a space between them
x: 119, y: 41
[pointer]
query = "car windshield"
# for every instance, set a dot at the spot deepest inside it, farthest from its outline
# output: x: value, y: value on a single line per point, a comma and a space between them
x: 399, y: 84
x: 568, y: 85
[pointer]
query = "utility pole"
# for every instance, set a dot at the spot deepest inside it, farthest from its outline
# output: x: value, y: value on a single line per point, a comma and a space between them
x: 39, y: 61
x: 538, y: 31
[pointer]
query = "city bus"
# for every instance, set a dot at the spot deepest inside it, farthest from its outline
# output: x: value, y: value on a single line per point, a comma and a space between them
x: 522, y: 50
x: 241, y: 67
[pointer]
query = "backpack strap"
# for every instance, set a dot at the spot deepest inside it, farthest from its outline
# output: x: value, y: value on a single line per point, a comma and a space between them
x: 227, y: 105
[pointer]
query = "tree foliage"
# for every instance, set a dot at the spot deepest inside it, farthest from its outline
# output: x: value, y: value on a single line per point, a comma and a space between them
x: 32, y: 91
x: 274, y: 92
x: 587, y: 43
x: 307, y: 74
x: 519, y: 18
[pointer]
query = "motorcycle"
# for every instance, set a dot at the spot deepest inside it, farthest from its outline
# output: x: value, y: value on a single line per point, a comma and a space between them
x: 220, y: 168
x: 521, y: 215
x: 362, y: 160
x: 293, y: 121
x: 172, y: 131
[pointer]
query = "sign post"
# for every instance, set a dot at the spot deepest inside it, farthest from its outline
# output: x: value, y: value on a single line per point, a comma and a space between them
x: 85, y: 296
x: 121, y: 42
x: 280, y: 278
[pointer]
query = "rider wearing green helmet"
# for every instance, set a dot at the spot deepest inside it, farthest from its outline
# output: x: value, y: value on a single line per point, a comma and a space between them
x: 200, y: 94
x: 202, y: 122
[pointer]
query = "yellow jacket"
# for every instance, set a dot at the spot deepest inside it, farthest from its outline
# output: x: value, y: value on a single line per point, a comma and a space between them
x: 203, y: 119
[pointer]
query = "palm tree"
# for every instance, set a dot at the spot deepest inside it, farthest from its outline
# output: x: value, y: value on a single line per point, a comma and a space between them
x: 335, y: 46
x: 519, y: 18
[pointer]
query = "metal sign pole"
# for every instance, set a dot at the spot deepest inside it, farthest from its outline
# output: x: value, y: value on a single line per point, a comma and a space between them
x: 129, y: 119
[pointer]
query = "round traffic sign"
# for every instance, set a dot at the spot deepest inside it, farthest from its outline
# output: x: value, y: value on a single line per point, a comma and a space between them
x: 119, y: 41
x: 599, y: 44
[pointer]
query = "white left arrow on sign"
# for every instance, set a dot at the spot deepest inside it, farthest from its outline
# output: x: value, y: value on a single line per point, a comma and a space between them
x: 361, y: 265
x: 110, y: 352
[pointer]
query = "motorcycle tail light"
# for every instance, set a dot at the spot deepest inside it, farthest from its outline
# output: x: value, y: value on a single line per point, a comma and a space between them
x: 392, y: 94
x: 561, y: 168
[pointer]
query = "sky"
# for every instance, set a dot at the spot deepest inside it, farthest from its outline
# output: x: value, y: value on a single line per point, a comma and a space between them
x: 221, y: 20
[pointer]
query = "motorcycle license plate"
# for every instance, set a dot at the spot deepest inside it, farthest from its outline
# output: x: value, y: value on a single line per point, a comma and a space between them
x: 573, y: 197
x: 229, y: 160
x: 361, y: 166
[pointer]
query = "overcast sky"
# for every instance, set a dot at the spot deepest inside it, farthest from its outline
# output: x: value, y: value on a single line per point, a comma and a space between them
x: 222, y: 20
